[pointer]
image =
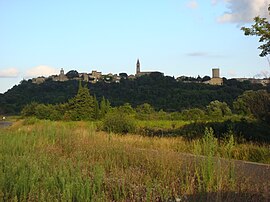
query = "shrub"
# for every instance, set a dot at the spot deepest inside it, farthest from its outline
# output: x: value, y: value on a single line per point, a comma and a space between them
x: 30, y: 121
x: 145, y: 111
x: 29, y: 109
x: 193, y: 114
x: 119, y: 122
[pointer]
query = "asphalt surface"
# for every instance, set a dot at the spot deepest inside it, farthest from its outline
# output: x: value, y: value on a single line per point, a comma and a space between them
x: 4, y: 124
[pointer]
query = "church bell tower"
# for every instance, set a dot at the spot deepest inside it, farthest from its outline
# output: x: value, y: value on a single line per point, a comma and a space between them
x: 138, y: 67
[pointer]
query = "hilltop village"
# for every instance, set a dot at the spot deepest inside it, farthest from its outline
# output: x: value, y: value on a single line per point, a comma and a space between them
x: 96, y: 76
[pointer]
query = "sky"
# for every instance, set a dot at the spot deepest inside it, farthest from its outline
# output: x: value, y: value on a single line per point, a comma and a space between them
x: 176, y: 37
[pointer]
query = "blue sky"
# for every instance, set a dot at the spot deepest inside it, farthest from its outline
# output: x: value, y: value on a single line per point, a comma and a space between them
x: 177, y: 37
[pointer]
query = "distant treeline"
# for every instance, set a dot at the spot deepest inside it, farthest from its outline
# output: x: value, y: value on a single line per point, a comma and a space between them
x: 161, y: 92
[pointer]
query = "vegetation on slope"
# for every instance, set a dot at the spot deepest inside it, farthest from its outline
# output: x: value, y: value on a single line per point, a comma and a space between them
x: 161, y: 92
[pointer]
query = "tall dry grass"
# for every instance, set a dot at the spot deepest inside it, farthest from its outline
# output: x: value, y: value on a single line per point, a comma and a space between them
x: 70, y: 161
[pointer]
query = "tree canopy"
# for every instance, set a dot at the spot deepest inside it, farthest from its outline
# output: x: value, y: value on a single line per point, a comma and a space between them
x: 256, y: 103
x: 72, y: 74
x: 261, y: 28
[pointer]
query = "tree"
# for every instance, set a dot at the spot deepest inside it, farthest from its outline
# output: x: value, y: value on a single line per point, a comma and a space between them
x: 206, y: 78
x: 194, y: 114
x: 256, y: 103
x: 199, y: 78
x: 96, y: 109
x: 123, y: 75
x: 82, y: 106
x: 217, y: 109
x: 261, y: 28
x: 104, y: 107
x: 72, y: 74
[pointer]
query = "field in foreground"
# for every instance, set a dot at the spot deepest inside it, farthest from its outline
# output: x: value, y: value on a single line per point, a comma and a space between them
x: 56, y: 161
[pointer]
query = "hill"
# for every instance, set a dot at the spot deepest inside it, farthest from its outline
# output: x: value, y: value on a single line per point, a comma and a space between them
x: 162, y: 92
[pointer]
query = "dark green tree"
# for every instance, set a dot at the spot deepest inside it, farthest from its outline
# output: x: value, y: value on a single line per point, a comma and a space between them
x: 206, y: 78
x: 72, y: 74
x: 123, y: 75
x: 82, y: 106
x: 96, y: 109
x: 103, y: 108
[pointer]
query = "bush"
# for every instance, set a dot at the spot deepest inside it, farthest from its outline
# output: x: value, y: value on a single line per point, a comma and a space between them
x: 29, y: 109
x: 48, y: 112
x: 30, y: 121
x: 193, y: 114
x: 119, y: 122
x: 42, y: 111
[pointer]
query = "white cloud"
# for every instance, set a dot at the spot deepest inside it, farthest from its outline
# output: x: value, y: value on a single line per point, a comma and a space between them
x: 243, y: 11
x: 193, y: 4
x: 203, y: 54
x: 197, y: 54
x: 41, y: 70
x: 9, y: 73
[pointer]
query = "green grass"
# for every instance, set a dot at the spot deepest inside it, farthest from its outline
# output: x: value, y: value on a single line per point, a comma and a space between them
x: 70, y: 161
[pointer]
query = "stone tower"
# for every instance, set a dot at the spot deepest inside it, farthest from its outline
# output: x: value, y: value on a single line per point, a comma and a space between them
x: 216, y: 80
x: 138, y: 67
x: 215, y: 73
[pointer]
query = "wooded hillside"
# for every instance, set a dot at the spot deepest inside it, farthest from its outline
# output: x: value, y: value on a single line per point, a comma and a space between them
x: 161, y: 92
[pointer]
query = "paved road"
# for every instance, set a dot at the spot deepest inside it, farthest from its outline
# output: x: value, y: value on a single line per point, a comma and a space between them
x: 4, y: 124
x: 256, y: 176
x: 255, y: 173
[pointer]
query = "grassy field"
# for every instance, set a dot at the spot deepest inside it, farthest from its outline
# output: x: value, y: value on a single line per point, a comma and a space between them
x: 70, y: 161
